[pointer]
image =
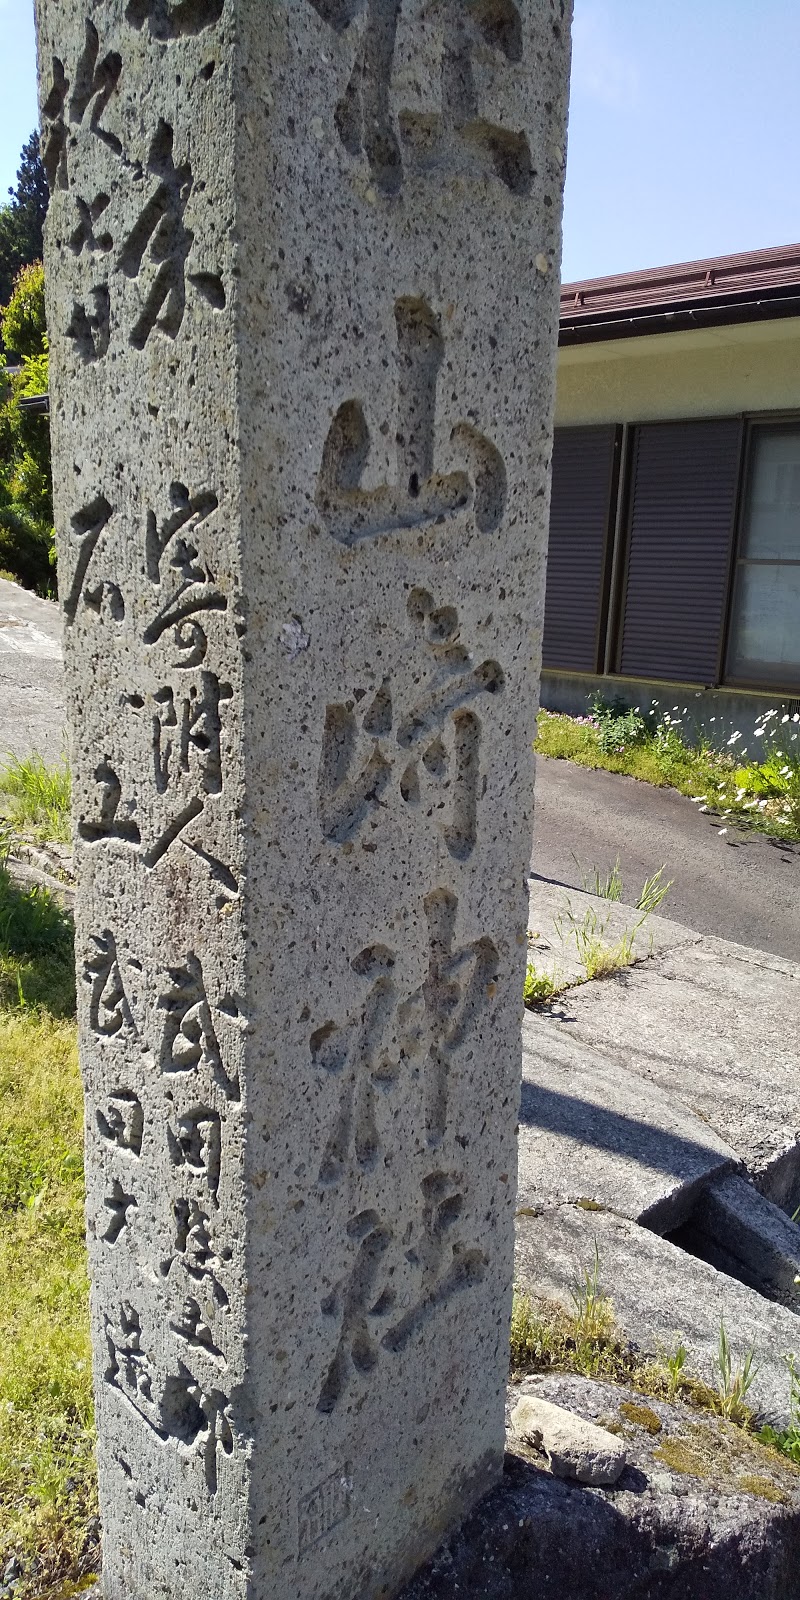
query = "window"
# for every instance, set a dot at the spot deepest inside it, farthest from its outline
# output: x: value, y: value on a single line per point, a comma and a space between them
x: 764, y: 644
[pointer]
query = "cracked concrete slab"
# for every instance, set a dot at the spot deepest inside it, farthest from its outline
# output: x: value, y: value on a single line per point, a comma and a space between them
x: 559, y: 917
x: 714, y: 1026
x: 661, y: 1295
x: 590, y: 1129
x: 742, y: 1233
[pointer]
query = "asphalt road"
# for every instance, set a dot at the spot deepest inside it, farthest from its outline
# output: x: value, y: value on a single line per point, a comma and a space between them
x: 737, y: 886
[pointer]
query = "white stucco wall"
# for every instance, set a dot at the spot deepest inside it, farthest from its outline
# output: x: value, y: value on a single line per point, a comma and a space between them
x: 702, y: 373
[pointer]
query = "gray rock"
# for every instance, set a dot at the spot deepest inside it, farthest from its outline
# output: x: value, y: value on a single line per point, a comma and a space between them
x: 574, y: 1447
x: 302, y: 276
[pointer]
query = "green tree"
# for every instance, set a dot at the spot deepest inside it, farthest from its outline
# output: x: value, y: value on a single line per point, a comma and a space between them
x: 22, y: 221
x: 26, y: 494
x: 23, y: 322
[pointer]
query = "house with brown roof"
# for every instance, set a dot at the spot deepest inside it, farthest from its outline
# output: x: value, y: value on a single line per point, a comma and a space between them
x: 674, y: 560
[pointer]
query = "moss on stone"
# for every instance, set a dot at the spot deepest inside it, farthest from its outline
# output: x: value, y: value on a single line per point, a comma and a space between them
x: 764, y: 1488
x: 641, y: 1416
x: 680, y: 1455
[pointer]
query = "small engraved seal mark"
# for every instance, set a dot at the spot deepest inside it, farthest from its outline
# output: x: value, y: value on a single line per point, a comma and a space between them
x: 319, y: 1512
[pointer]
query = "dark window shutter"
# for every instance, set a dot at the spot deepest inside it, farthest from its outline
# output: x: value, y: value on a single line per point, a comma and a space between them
x: 682, y: 511
x: 580, y: 506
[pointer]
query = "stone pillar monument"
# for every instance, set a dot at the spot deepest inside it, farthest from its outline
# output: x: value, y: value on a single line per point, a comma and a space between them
x: 302, y: 263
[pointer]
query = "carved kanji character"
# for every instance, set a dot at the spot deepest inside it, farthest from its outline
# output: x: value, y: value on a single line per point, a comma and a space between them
x: 354, y: 1053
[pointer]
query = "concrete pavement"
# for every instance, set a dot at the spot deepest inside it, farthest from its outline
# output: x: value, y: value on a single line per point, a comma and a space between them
x: 32, y: 715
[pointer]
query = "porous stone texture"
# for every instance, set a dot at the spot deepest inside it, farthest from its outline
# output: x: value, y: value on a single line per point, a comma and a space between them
x: 302, y: 268
x: 574, y: 1447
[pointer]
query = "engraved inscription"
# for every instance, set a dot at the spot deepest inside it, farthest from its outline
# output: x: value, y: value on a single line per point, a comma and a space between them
x: 129, y: 1369
x: 186, y: 756
x: 109, y: 1011
x: 354, y: 1054
x: 188, y: 1324
x: 420, y: 495
x: 121, y: 1123
x: 360, y: 1306
x: 195, y: 1142
x: 200, y: 1419
x: 194, y: 1416
x: 186, y: 734
x: 456, y: 135
x: 117, y: 1204
x: 86, y: 529
x: 440, y: 1016
x: 91, y: 328
x: 362, y: 1302
x: 174, y: 19
x: 108, y: 823
x: 194, y: 1250
x: 94, y: 84
x: 446, y: 1266
x: 323, y: 1509
x: 185, y: 581
x: 160, y: 232
x: 431, y: 748
x: 189, y: 1041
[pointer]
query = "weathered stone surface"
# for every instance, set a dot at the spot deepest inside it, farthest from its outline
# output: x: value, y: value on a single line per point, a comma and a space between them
x: 701, y: 1512
x: 660, y: 1294
x: 722, y: 1522
x: 574, y: 1447
x: 591, y: 1129
x: 302, y: 268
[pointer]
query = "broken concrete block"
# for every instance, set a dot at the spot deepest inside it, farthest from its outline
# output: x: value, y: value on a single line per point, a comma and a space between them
x: 740, y: 1231
x: 661, y: 1295
x: 574, y: 1447
x: 591, y: 1128
x: 716, y: 1025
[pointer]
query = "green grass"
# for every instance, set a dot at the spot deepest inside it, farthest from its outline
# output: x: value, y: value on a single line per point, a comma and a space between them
x: 36, y: 951
x: 35, y: 798
x: 47, y: 1474
x: 763, y: 794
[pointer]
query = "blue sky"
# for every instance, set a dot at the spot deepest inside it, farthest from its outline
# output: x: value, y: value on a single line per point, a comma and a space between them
x: 684, y: 127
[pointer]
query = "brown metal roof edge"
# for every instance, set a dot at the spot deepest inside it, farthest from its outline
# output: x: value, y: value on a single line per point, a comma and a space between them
x: 677, y: 319
x: 750, y: 278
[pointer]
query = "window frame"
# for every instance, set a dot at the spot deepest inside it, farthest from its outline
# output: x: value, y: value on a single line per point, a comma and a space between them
x: 782, y: 688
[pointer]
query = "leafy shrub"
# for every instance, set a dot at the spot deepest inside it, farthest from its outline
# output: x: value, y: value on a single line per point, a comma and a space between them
x: 618, y: 726
x: 24, y: 321
x: 26, y: 494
